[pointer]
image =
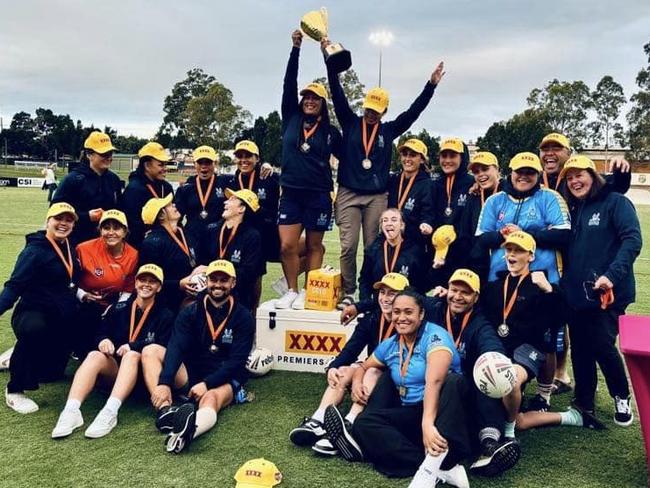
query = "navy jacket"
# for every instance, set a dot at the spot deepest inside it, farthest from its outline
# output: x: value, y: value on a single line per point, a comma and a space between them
x: 351, y: 173
x: 135, y: 195
x: 366, y: 334
x: 191, y: 340
x: 86, y: 190
x: 116, y: 323
x: 418, y: 206
x: 311, y: 170
x: 39, y: 279
x: 188, y: 204
x: 605, y: 240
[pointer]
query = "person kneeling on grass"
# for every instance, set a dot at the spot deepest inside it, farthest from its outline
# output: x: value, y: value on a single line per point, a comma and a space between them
x: 207, y: 353
x: 125, y: 329
x: 372, y: 328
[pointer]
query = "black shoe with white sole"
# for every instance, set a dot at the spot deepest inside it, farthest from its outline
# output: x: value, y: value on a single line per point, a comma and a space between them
x: 165, y: 419
x: 623, y: 415
x: 307, y: 433
x: 496, y: 457
x: 340, y: 435
x: 325, y: 448
x: 184, y: 428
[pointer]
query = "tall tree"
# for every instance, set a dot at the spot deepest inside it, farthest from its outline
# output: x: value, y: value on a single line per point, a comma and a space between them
x: 608, y: 99
x: 565, y: 105
x: 638, y: 118
x: 352, y: 87
x: 267, y: 134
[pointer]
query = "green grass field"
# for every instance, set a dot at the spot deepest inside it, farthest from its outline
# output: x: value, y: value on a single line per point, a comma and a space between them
x: 132, y: 455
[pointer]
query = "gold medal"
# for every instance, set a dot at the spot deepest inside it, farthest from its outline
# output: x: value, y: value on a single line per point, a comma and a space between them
x: 503, y: 330
x: 366, y: 163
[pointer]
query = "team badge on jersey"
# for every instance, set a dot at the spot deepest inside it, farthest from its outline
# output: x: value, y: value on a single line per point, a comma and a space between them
x: 462, y: 199
x: 219, y: 192
x: 404, y: 271
x: 99, y: 272
x: 410, y: 203
x: 595, y: 219
x: 261, y: 193
x: 227, y: 336
x: 236, y: 256
x: 380, y: 141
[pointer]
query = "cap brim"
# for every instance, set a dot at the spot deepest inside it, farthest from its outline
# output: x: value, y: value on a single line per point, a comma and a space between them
x: 461, y: 280
x: 377, y: 108
x: 305, y: 90
x: 150, y: 274
x: 452, y: 149
x: 74, y: 215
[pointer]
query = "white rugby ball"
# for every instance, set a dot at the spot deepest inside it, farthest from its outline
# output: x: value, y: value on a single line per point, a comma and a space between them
x: 200, y: 281
x: 494, y: 374
x: 260, y: 361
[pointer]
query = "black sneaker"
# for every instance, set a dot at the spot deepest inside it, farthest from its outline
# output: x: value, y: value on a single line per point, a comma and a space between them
x: 537, y: 404
x: 623, y: 415
x: 325, y: 448
x: 496, y: 457
x: 339, y: 433
x: 307, y: 433
x: 183, y: 430
x: 165, y: 419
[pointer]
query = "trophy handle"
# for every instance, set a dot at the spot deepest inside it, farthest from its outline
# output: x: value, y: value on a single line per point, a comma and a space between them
x: 325, y: 17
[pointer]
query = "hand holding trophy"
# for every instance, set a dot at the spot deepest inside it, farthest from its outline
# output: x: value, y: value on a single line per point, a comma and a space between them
x: 314, y: 25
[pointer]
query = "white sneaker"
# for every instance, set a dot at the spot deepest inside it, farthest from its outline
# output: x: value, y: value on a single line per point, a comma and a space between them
x: 102, y: 425
x: 4, y: 359
x: 456, y: 476
x: 286, y: 300
x: 20, y: 403
x: 299, y: 302
x: 280, y: 286
x: 69, y: 420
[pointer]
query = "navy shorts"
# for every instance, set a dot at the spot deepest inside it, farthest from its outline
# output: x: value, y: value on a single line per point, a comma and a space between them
x: 310, y: 208
x: 530, y: 358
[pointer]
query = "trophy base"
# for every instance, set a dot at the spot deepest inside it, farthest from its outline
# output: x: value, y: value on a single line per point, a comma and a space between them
x: 338, y: 58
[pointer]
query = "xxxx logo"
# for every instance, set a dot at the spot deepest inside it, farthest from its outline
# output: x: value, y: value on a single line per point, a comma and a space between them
x: 306, y: 342
x: 319, y: 283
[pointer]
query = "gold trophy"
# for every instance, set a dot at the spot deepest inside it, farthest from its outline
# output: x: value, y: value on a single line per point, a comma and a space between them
x: 314, y: 24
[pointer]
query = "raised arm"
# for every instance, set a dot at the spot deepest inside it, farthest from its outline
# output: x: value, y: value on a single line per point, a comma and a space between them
x: 290, y: 87
x: 344, y: 113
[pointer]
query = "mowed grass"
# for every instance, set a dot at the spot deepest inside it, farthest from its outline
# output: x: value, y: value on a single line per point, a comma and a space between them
x: 132, y: 455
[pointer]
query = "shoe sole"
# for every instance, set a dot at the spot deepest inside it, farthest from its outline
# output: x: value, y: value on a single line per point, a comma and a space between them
x: 624, y: 424
x: 340, y: 437
x: 304, y: 437
x: 61, y: 435
x: 184, y: 425
x: 99, y: 434
x: 503, y: 459
x: 324, y: 452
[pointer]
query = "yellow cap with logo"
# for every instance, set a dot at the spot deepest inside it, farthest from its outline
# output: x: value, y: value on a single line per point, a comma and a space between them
x: 485, y: 158
x: 526, y: 160
x: 153, y: 207
x: 521, y: 239
x: 60, y: 208
x: 248, y: 146
x: 221, y: 266
x: 153, y: 150
x: 394, y: 281
x: 416, y: 145
x: 555, y: 138
x: 258, y: 473
x: 99, y: 143
x: 453, y: 144
x: 577, y: 162
x: 204, y: 152
x: 152, y: 269
x: 116, y: 215
x: 247, y: 196
x: 317, y: 89
x: 441, y: 239
x: 468, y: 277
x: 377, y: 100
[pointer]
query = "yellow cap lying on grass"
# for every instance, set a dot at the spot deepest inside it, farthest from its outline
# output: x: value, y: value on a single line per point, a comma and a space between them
x: 468, y: 277
x: 441, y: 239
x: 258, y: 473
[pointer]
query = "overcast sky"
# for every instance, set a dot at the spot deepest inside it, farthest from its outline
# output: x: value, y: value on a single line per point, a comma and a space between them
x: 114, y: 62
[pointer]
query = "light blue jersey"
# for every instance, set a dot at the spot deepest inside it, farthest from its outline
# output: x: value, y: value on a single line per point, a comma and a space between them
x: 430, y: 338
x: 545, y: 209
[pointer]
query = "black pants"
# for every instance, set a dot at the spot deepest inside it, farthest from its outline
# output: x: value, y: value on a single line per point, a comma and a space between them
x: 593, y: 340
x: 86, y: 328
x: 51, y: 188
x: 41, y: 351
x: 390, y: 434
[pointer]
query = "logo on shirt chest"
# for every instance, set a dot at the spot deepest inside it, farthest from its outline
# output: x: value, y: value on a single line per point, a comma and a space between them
x: 99, y: 272
x: 380, y: 141
x: 151, y: 336
x: 219, y: 192
x: 404, y: 270
x: 235, y: 257
x: 261, y: 194
x: 410, y: 204
x: 532, y: 213
x: 462, y: 350
x: 226, y: 338
x: 462, y: 200
x: 595, y: 219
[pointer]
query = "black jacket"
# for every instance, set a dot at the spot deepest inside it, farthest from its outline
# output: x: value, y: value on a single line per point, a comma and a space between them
x: 116, y: 322
x: 418, y: 206
x: 191, y: 340
x: 86, y: 190
x: 265, y: 219
x: 351, y: 173
x: 188, y: 204
x: 135, y: 195
x: 39, y: 279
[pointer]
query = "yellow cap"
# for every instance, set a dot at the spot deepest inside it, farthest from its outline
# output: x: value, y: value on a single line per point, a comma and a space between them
x: 526, y: 160
x: 204, y: 152
x: 247, y: 196
x: 316, y: 89
x: 441, y: 239
x: 376, y: 99
x: 258, y: 473
x: 153, y: 150
x: 521, y: 239
x: 578, y: 162
x: 468, y: 277
x: 221, y: 266
x: 114, y: 214
x: 453, y: 144
x: 153, y: 207
x: 99, y: 142
x: 61, y: 208
x: 417, y: 146
x: 560, y: 139
x: 152, y: 269
x: 485, y: 158
x: 394, y: 281
x: 249, y: 146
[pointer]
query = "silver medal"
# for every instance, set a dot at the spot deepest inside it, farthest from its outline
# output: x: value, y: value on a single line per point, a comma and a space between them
x: 448, y: 211
x: 305, y: 147
x: 203, y: 214
x: 366, y: 163
x: 503, y: 330
x: 213, y: 349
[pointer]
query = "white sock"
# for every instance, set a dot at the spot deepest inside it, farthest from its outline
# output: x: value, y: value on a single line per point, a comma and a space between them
x: 319, y: 415
x: 544, y: 390
x: 72, y: 405
x: 113, y: 405
x: 509, y: 430
x: 350, y: 417
x: 428, y: 471
x: 205, y: 419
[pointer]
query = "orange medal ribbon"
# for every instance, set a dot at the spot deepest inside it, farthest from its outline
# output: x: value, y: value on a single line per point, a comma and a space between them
x: 382, y: 323
x: 215, y: 333
x: 308, y: 133
x: 545, y: 178
x: 395, y: 256
x: 403, y: 368
x: 153, y: 191
x: 223, y: 249
x: 449, y: 184
x: 182, y: 243
x: 367, y: 145
x: 401, y: 198
x: 462, y: 326
x: 251, y: 181
x: 508, y: 308
x: 67, y: 263
x: 203, y: 198
x: 133, y: 335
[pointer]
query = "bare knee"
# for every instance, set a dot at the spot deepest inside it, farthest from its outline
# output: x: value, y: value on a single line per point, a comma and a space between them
x: 131, y: 357
x: 152, y: 353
